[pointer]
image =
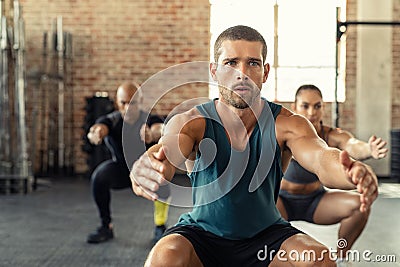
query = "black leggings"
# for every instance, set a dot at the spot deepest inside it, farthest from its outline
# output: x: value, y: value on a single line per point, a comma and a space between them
x: 110, y: 174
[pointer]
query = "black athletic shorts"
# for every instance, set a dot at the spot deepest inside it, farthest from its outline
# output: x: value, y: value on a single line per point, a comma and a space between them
x: 215, y: 251
x: 301, y: 207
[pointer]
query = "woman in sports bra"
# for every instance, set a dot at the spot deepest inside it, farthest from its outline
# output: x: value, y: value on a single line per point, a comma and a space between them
x: 303, y: 197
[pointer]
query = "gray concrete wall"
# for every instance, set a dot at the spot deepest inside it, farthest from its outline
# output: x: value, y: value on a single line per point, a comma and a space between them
x: 374, y: 76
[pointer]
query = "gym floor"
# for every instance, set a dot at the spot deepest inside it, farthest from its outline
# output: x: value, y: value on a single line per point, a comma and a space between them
x: 48, y: 227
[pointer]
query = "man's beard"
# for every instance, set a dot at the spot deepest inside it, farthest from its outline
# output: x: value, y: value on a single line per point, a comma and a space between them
x: 236, y: 100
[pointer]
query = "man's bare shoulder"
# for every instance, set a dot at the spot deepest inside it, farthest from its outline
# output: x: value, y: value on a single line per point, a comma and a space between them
x: 188, y: 121
x: 185, y: 117
x: 285, y: 112
x: 290, y: 122
x: 289, y: 118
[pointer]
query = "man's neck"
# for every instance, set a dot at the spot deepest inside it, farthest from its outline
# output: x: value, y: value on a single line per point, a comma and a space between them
x: 236, y: 117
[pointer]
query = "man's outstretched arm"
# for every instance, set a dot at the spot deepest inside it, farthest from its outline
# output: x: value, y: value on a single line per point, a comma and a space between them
x: 158, y: 164
x: 334, y: 168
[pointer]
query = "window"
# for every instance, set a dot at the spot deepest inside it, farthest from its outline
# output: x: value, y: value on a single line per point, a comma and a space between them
x: 306, y: 42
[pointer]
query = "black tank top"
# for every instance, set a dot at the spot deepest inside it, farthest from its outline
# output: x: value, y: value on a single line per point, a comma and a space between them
x: 295, y: 173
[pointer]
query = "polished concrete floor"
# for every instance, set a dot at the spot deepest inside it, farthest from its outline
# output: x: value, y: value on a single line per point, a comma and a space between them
x: 48, y: 227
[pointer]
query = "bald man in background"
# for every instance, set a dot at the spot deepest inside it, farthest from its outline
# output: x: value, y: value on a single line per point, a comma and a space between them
x: 141, y: 131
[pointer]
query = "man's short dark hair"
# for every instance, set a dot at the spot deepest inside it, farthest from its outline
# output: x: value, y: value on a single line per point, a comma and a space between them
x: 239, y: 32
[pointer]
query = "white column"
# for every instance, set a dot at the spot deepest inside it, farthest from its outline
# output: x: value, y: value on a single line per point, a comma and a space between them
x: 374, y: 76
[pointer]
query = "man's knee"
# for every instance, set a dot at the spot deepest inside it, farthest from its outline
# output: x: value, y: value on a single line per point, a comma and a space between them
x: 99, y: 179
x: 173, y: 251
x: 165, y: 256
x: 321, y: 263
x: 104, y: 173
x: 317, y: 255
x: 319, y: 259
x: 303, y: 251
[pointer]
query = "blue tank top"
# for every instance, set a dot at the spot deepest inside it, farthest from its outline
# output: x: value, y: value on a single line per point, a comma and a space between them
x: 295, y: 173
x: 234, y: 192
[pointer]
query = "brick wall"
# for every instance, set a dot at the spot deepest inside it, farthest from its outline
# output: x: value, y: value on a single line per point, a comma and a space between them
x: 347, y: 109
x: 119, y: 40
x: 115, y: 41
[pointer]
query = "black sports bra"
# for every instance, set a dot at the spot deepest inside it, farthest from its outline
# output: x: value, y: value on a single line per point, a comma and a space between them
x: 295, y: 173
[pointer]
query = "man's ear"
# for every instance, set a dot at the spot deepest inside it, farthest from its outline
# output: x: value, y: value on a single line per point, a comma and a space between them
x: 213, y: 70
x: 293, y: 106
x: 266, y: 72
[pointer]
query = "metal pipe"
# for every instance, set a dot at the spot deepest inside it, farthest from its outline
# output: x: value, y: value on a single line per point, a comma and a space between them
x: 69, y: 148
x: 335, y: 104
x: 16, y: 22
x: 341, y: 28
x: 60, y: 82
x: 19, y: 46
x: 350, y: 22
x: 276, y: 63
x: 5, y: 126
x: 22, y: 90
